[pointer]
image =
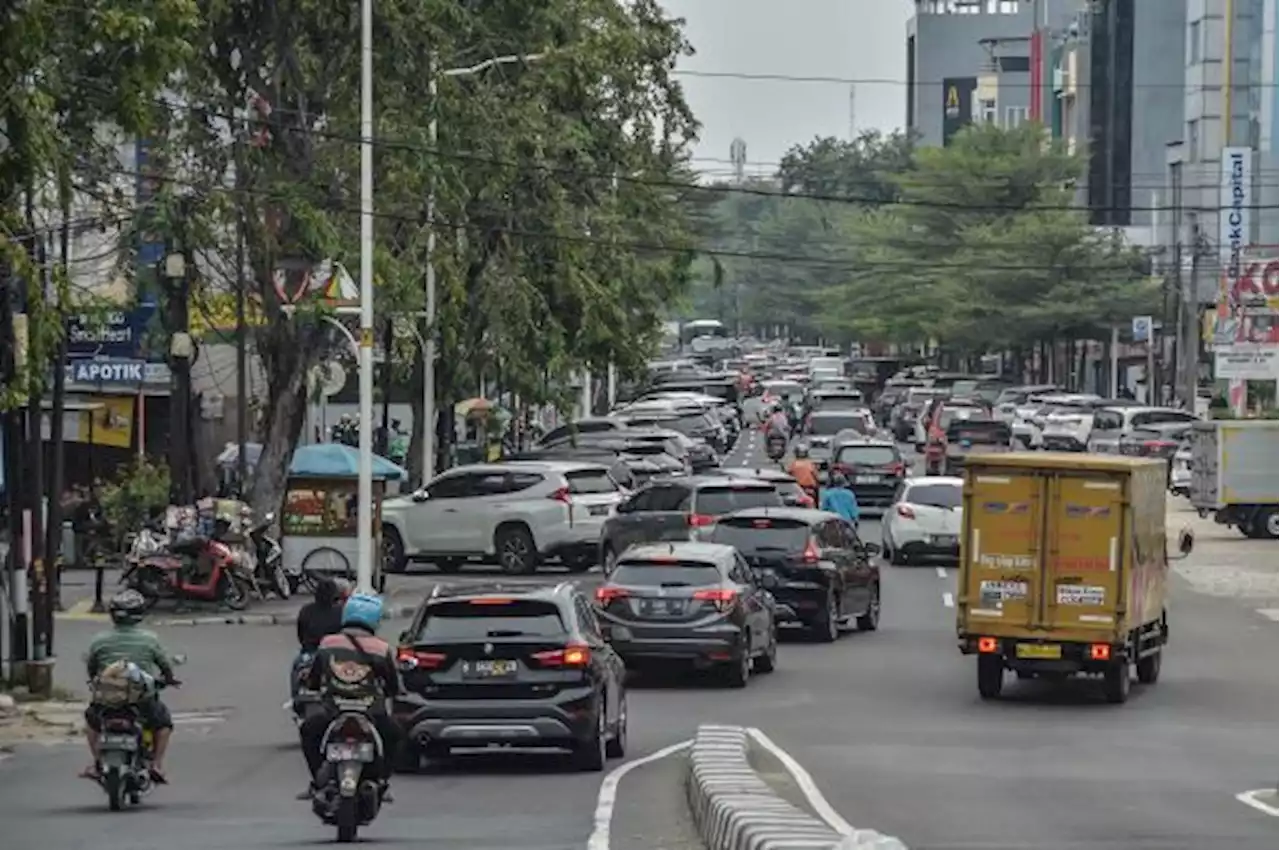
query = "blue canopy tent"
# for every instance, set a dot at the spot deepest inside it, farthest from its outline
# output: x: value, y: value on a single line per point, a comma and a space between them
x: 335, y: 460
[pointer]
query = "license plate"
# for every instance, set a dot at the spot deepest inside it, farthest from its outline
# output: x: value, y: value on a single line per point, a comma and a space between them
x: 1039, y: 650
x: 668, y: 607
x: 120, y: 742
x: 497, y: 668
x: 867, y: 479
x: 944, y: 540
x: 598, y: 510
x: 362, y: 752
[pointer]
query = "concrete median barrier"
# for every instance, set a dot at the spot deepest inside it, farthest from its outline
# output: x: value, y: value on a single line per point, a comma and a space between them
x: 735, y: 809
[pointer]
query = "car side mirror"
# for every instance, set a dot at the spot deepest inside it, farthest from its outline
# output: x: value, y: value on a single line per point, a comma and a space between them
x: 1186, y: 542
x: 403, y: 639
x: 871, y: 549
x: 624, y: 507
x: 421, y: 496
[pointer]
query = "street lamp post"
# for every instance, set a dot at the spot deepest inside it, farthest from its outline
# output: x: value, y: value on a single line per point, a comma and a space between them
x: 364, y: 516
x: 429, y: 350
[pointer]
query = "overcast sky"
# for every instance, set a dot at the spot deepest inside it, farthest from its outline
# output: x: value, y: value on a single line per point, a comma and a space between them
x: 843, y: 39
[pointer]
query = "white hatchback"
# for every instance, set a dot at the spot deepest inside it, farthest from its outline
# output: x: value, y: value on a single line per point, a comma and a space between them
x: 924, y: 521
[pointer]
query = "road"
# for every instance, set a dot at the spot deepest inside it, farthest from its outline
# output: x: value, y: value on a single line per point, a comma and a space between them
x: 889, y: 725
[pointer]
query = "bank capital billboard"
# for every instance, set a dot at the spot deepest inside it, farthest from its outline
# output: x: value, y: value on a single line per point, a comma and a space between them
x: 957, y: 105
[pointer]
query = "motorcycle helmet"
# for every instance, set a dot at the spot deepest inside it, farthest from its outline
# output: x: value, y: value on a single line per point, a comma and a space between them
x: 127, y: 608
x: 363, y: 610
x: 801, y: 450
x: 839, y: 480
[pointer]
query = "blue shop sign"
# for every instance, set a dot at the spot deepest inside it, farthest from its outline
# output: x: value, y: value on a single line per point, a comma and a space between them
x: 112, y: 372
x: 117, y: 334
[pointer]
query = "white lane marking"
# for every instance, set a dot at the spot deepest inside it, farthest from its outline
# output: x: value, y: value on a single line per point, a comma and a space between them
x: 607, y: 798
x: 942, y: 573
x: 1270, y: 613
x: 808, y: 787
x: 1250, y: 798
x: 948, y: 600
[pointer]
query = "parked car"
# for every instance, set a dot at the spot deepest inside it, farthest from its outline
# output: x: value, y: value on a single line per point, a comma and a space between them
x: 678, y: 510
x: 811, y: 561
x: 689, y: 602
x: 522, y: 513
x: 925, y: 520
x: 525, y: 667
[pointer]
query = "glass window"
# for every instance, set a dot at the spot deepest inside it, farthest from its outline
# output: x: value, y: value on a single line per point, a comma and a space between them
x: 590, y: 481
x: 718, y: 501
x: 1014, y: 115
x: 674, y: 499
x: 449, y: 487
x: 867, y: 455
x: 665, y: 574
x: 761, y: 534
x: 829, y: 424
x: 1194, y: 41
x: 461, y: 620
x: 933, y: 495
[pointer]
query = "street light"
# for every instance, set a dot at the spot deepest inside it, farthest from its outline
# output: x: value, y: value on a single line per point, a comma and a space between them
x: 364, y: 515
x: 429, y: 350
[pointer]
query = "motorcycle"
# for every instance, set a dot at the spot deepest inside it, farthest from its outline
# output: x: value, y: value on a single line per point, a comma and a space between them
x: 300, y: 697
x: 348, y: 795
x: 269, y: 569
x: 168, y: 574
x: 125, y: 750
x: 776, y: 446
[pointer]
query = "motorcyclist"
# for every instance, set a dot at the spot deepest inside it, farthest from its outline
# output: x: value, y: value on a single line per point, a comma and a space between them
x: 805, y: 471
x: 125, y: 642
x: 317, y: 619
x: 838, y: 498
x: 355, y: 647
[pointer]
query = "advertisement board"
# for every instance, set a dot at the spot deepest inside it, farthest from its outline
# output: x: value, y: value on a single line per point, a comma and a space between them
x: 957, y: 105
x: 1243, y: 330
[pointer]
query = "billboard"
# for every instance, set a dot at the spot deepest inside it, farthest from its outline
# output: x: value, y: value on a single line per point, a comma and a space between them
x: 1243, y: 329
x: 957, y: 105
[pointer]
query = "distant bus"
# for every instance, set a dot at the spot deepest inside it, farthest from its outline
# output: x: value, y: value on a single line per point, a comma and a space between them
x: 710, y: 333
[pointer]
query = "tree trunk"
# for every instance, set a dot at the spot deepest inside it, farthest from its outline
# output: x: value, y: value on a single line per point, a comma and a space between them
x: 414, y: 461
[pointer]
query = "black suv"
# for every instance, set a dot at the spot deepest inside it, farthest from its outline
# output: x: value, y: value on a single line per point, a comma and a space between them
x: 676, y: 509
x: 500, y: 665
x: 874, y: 468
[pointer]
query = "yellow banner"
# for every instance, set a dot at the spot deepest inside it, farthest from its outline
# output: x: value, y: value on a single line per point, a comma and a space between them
x: 216, y: 311
x: 112, y: 422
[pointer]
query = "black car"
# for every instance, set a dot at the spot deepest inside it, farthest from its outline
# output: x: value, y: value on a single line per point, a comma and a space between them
x: 499, y: 665
x: 812, y: 562
x: 677, y: 509
x: 697, y: 456
x: 793, y: 495
x: 689, y: 602
x: 965, y: 436
x: 874, y: 468
x: 619, y: 465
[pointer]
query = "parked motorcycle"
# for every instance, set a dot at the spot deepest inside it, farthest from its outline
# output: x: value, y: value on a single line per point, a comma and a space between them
x: 350, y: 792
x: 195, y: 568
x: 125, y: 751
x: 269, y: 569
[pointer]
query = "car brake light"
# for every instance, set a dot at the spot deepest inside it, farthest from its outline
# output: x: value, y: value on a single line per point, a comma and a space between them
x: 905, y: 512
x: 415, y: 660
x: 491, y: 600
x: 572, y: 655
x: 1100, y: 652
x: 605, y: 595
x: 988, y: 645
x: 1157, y: 444
x: 898, y: 468
x: 561, y: 495
x: 811, y: 554
x: 723, y: 598
x: 701, y: 520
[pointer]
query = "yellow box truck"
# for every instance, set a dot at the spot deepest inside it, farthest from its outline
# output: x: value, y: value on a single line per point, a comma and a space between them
x: 1063, y: 568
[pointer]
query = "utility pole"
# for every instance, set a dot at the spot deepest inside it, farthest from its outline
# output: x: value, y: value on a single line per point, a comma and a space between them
x: 14, y: 435
x: 35, y: 447
x: 242, y: 358
x: 1191, y: 323
x: 177, y: 271
x: 57, y: 480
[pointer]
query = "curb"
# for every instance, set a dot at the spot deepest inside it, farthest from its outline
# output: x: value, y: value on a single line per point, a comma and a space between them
x: 287, y: 619
x: 734, y: 809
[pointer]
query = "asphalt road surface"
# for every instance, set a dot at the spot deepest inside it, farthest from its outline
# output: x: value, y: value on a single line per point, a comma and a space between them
x: 888, y: 724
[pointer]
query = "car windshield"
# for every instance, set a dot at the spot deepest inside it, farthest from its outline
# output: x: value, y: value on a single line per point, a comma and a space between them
x: 784, y: 388
x: 935, y: 495
x: 694, y: 423
x: 749, y: 535
x: 590, y: 481
x: 985, y: 433
x: 641, y: 573
x: 954, y: 414
x: 467, y: 620
x: 838, y: 401
x: 827, y: 425
x: 718, y: 501
x: 867, y: 456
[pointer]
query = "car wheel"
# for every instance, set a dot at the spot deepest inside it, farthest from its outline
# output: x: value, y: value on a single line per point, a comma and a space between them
x: 739, y: 672
x: 617, y: 746
x: 990, y: 676
x: 590, y: 755
x: 768, y: 662
x: 1115, y: 682
x: 1149, y: 668
x: 827, y: 627
x: 869, y: 620
x: 610, y: 560
x: 516, y: 552
x: 393, y: 556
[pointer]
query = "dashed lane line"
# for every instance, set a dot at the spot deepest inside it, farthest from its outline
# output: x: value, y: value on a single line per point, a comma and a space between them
x: 942, y: 572
x: 948, y: 600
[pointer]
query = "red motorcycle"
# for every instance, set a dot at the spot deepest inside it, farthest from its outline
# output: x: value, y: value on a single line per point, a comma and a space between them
x: 198, y: 568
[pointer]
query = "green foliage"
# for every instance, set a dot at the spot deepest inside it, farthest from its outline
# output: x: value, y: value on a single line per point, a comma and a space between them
x: 139, y: 491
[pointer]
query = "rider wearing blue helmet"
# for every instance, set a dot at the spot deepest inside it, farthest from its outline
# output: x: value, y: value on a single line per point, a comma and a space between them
x: 353, y: 664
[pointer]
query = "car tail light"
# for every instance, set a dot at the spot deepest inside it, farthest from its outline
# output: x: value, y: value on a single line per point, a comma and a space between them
x: 905, y: 512
x: 811, y: 554
x: 701, y: 520
x: 605, y: 595
x: 1100, y: 652
x: 898, y: 468
x: 572, y: 655
x: 723, y: 598
x: 804, y: 500
x: 561, y: 495
x: 415, y: 660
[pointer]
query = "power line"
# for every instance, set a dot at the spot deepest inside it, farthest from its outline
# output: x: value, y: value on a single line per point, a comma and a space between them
x: 891, y: 81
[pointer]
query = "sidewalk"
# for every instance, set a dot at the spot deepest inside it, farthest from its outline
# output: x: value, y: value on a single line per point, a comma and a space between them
x: 1224, y: 562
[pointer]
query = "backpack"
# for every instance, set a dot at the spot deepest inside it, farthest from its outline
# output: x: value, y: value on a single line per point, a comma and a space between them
x: 119, y: 684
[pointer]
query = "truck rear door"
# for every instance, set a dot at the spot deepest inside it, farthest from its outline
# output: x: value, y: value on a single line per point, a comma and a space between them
x: 1083, y: 562
x: 1004, y: 513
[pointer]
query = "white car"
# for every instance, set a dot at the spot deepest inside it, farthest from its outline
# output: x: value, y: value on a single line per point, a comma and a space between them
x: 1180, y: 471
x: 1067, y: 422
x: 1029, y: 418
x: 520, y: 512
x: 923, y: 521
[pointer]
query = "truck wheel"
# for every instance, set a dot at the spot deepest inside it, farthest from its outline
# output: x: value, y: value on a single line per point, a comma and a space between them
x: 1115, y: 682
x: 1149, y: 668
x: 1267, y: 524
x: 990, y: 676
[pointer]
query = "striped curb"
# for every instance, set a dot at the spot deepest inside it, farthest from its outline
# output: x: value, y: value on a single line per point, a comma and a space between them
x: 734, y: 809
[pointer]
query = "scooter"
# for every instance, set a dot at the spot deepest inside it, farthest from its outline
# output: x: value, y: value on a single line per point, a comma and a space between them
x: 168, y: 575
x: 125, y: 751
x: 349, y: 795
x: 269, y: 567
x: 776, y: 447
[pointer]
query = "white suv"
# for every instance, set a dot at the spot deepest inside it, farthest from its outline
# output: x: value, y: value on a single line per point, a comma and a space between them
x: 521, y: 512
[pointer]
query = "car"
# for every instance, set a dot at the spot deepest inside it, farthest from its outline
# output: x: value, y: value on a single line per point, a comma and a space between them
x: 695, y: 423
x: 1030, y: 419
x: 874, y: 468
x: 1106, y: 429
x: 925, y: 520
x: 1011, y: 398
x: 689, y: 602
x: 822, y: 426
x: 678, y: 510
x: 579, y: 427
x: 1180, y: 469
x: 812, y: 562
x: 695, y: 455
x: 619, y: 465
x: 793, y: 495
x: 966, y: 435
x: 522, y: 512
x: 511, y: 666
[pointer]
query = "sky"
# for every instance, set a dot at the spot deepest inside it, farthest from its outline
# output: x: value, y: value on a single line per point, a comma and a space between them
x: 843, y: 39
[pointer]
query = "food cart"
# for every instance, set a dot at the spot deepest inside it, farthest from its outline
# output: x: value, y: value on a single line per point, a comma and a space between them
x: 319, y: 518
